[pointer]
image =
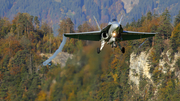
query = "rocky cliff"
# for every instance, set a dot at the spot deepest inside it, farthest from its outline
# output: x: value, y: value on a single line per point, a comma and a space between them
x: 129, y: 4
x: 140, y: 66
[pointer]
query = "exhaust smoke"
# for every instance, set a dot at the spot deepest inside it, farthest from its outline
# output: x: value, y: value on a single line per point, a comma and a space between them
x: 57, y: 51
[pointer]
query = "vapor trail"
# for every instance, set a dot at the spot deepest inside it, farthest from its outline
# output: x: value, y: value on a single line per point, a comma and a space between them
x: 57, y: 51
x: 143, y: 43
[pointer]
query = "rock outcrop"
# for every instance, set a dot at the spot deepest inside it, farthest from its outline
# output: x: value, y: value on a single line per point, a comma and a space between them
x: 61, y: 58
x: 129, y: 4
x: 139, y: 65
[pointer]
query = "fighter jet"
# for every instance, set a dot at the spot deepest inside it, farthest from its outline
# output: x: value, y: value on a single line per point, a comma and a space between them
x: 112, y: 34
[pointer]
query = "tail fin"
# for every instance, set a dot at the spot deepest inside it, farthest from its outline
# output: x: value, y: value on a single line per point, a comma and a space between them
x: 120, y: 20
x: 97, y: 23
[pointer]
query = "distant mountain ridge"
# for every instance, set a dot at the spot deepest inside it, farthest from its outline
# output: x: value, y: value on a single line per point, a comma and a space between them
x: 84, y: 10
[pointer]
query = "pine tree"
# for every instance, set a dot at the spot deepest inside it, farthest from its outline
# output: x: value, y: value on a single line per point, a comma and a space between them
x: 36, y: 21
x: 165, y: 28
x: 173, y: 45
x: 117, y: 94
x: 177, y: 20
x: 159, y: 46
x: 175, y: 39
x: 149, y: 16
x: 6, y: 61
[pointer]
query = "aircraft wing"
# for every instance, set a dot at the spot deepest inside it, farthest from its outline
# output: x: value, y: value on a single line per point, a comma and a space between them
x: 131, y: 35
x: 106, y: 28
x: 93, y: 36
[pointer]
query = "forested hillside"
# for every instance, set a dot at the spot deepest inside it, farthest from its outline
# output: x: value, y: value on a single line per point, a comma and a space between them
x: 155, y: 6
x: 21, y: 42
x: 80, y: 11
x: 87, y: 76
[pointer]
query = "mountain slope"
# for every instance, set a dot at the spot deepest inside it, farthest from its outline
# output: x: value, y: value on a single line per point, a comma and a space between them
x: 155, y: 6
x: 79, y: 11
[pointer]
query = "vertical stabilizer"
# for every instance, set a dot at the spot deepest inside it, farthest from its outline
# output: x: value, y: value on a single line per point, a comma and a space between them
x: 97, y: 23
x: 120, y: 20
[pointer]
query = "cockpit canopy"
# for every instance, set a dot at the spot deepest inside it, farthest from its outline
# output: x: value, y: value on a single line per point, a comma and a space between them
x: 114, y: 20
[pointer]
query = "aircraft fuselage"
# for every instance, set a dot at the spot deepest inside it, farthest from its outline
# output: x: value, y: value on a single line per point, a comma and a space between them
x: 113, y: 32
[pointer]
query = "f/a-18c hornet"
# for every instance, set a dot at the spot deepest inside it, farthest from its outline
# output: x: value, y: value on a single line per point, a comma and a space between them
x: 112, y: 34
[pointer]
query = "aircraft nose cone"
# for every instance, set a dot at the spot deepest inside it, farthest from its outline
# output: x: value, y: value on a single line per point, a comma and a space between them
x: 115, y: 26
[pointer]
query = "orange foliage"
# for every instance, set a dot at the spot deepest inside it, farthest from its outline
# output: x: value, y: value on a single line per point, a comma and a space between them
x: 103, y: 25
x: 105, y: 63
x: 176, y: 31
x: 153, y: 56
x: 14, y: 21
x: 68, y: 88
x: 1, y: 75
x: 31, y: 37
x: 87, y: 73
x: 8, y: 98
x: 41, y: 96
x: 115, y: 76
x: 105, y: 89
x: 15, y: 70
x: 147, y: 25
x: 167, y: 90
x: 15, y: 46
x: 6, y: 22
x: 114, y: 63
x: 10, y: 46
x: 130, y: 28
x: 71, y: 96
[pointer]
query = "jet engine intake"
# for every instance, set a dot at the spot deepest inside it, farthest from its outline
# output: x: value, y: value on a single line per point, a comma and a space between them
x: 104, y: 36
